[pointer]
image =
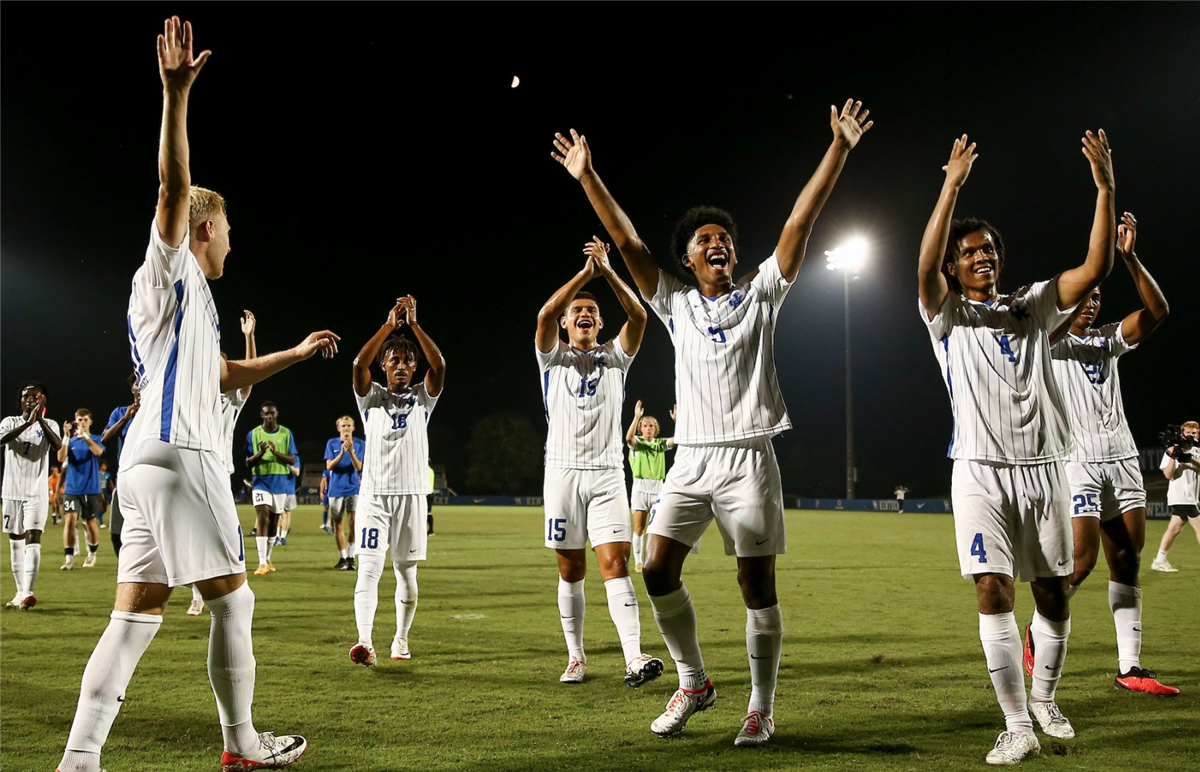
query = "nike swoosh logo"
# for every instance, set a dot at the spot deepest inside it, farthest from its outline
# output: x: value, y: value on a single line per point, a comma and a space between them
x: 1062, y: 563
x: 412, y: 551
x: 754, y: 657
x: 627, y: 605
x: 616, y: 530
x: 566, y: 617
x: 408, y: 602
x: 764, y: 541
x: 121, y: 698
x: 997, y: 670
x: 1137, y: 629
x: 1047, y: 667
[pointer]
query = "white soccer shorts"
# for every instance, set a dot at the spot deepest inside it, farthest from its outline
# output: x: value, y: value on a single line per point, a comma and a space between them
x: 391, y: 521
x: 342, y: 505
x: 1012, y: 520
x: 181, y: 525
x: 736, y: 484
x: 289, y: 502
x: 1105, y: 489
x: 22, y: 516
x: 584, y: 505
x: 645, y: 493
x: 276, y: 502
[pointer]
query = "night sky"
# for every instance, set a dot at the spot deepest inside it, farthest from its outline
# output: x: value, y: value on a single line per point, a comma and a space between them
x: 369, y: 151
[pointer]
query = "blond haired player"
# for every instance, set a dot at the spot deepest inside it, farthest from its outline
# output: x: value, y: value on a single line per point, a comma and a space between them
x: 1108, y: 500
x: 180, y: 522
x: 648, y: 462
x: 1011, y: 435
x: 343, y: 468
x: 583, y: 387
x: 730, y: 406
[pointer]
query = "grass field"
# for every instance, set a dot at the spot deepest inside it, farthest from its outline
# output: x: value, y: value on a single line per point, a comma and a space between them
x: 882, y: 665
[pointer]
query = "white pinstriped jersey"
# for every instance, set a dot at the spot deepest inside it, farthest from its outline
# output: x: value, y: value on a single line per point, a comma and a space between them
x: 26, y: 461
x: 583, y: 393
x: 1086, y: 369
x: 726, y: 388
x: 232, y: 403
x: 397, y: 456
x: 995, y: 359
x: 175, y: 343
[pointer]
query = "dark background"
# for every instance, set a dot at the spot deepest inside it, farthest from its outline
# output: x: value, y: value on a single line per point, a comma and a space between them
x: 368, y: 151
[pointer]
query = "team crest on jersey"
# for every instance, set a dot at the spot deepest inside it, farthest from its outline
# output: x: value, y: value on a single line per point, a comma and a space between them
x: 735, y: 299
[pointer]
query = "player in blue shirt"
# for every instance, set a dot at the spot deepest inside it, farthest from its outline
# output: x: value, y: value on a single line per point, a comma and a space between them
x: 343, y: 464
x: 81, y: 486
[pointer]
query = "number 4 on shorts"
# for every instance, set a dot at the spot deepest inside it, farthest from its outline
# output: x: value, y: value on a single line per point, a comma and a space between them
x: 977, y: 548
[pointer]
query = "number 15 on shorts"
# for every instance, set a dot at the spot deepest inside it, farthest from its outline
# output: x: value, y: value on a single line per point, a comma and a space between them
x: 556, y: 529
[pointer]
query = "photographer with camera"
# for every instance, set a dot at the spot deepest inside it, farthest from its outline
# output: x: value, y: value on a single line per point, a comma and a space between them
x: 1181, y: 466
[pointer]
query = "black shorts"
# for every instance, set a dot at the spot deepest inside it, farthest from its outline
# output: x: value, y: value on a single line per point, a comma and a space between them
x: 1185, y: 510
x: 87, y: 505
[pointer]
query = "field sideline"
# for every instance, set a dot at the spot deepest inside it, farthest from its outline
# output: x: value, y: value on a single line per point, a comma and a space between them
x: 882, y: 665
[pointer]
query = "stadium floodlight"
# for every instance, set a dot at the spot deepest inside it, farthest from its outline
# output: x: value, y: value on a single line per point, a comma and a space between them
x: 849, y: 259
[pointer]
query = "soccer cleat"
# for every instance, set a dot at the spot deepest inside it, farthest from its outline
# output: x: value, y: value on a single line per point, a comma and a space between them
x: 683, y: 704
x: 1013, y: 748
x: 1164, y: 566
x: 272, y: 753
x: 349, y: 565
x: 69, y: 565
x: 15, y: 602
x: 262, y: 570
x: 1051, y: 719
x: 90, y: 560
x: 270, y: 566
x: 576, y: 670
x: 1027, y: 654
x: 400, y: 649
x: 196, y: 609
x: 363, y: 654
x: 29, y: 602
x: 757, y: 728
x: 341, y: 564
x: 642, y: 669
x: 1140, y: 680
x: 327, y: 529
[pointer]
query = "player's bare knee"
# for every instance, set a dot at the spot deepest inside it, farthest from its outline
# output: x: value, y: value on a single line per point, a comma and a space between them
x: 995, y: 593
x: 660, y: 579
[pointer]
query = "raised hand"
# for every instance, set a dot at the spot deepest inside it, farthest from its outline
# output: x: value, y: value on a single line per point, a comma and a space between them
x: 396, y: 315
x: 672, y: 413
x: 348, y: 445
x: 1126, y: 235
x: 962, y: 156
x: 850, y: 124
x: 323, y: 341
x: 637, y: 411
x: 409, y: 304
x: 176, y: 64
x: 597, y: 252
x: 248, y: 323
x: 1099, y: 155
x: 573, y: 153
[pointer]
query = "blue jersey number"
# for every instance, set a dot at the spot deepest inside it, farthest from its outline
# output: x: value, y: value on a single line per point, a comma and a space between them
x: 400, y: 421
x: 1005, y: 348
x: 370, y: 539
x: 241, y: 546
x: 1094, y: 371
x: 556, y: 530
x: 977, y: 548
x: 1085, y: 503
x: 718, y: 335
x: 588, y: 388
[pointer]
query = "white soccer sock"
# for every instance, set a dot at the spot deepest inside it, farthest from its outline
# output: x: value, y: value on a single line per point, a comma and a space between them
x: 261, y: 543
x: 342, y: 554
x: 676, y: 618
x: 366, y: 594
x: 1002, y: 649
x: 283, y: 534
x: 350, y: 546
x: 16, y: 556
x: 1126, y: 604
x: 637, y: 549
x: 623, y: 608
x: 102, y: 690
x: 571, y: 607
x: 33, y: 563
x: 1049, y: 653
x: 764, y: 643
x: 231, y: 667
x: 196, y: 596
x: 270, y: 546
x: 406, y: 595
x: 1162, y: 556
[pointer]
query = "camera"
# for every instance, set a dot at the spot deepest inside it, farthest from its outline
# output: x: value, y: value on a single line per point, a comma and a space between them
x: 1173, y: 436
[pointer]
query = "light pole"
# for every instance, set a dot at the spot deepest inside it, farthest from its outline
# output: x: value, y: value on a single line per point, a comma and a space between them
x: 848, y: 259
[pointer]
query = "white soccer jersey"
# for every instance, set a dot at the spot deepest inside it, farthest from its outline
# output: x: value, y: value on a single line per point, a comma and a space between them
x: 1184, y: 488
x: 231, y: 407
x: 397, y: 455
x: 26, y: 461
x: 175, y: 343
x: 582, y: 393
x: 726, y: 388
x: 1086, y: 369
x: 995, y: 359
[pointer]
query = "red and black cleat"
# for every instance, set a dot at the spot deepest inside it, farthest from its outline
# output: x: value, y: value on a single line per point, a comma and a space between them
x: 1027, y: 654
x: 1139, y: 680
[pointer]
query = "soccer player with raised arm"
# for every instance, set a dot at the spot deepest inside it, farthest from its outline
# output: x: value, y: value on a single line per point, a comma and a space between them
x: 648, y: 462
x: 391, y: 502
x: 1011, y: 435
x: 117, y: 428
x: 583, y: 388
x: 80, y: 455
x: 1108, y: 500
x: 28, y: 439
x: 729, y: 407
x: 180, y: 522
x: 343, y: 465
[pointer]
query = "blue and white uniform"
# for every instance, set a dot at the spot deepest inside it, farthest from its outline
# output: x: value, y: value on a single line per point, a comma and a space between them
x: 180, y: 522
x: 25, y: 494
